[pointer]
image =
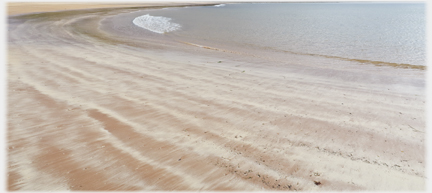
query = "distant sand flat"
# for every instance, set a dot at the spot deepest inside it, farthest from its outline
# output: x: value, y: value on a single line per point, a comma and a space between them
x: 14, y: 8
x: 88, y: 111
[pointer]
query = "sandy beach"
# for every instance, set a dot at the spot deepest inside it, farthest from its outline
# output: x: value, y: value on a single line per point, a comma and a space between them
x: 92, y: 111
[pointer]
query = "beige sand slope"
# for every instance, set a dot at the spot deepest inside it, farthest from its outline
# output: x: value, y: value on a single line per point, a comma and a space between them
x: 91, y: 111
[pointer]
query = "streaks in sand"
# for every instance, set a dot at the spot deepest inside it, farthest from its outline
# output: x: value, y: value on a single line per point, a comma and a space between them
x: 88, y: 110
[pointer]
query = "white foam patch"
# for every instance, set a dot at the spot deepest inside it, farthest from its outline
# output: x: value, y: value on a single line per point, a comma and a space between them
x: 220, y: 5
x: 156, y: 24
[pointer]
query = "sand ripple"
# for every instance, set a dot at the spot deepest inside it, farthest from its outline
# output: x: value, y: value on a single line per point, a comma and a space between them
x: 91, y: 111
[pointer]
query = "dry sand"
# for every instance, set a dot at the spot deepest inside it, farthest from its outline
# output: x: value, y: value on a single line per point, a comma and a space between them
x: 14, y: 8
x: 89, y: 111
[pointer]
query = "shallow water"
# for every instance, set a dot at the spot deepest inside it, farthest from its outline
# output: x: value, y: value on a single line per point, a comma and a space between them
x: 376, y: 33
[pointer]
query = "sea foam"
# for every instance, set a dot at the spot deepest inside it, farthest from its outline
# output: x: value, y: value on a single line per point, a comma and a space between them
x: 156, y: 24
x: 220, y: 5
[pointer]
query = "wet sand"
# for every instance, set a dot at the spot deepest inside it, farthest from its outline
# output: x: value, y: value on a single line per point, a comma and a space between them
x: 88, y: 110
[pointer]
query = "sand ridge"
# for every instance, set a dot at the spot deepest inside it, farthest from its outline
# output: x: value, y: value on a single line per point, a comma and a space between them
x: 15, y: 8
x: 92, y: 111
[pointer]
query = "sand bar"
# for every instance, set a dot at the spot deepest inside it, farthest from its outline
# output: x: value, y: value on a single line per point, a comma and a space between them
x: 88, y: 110
x: 14, y: 8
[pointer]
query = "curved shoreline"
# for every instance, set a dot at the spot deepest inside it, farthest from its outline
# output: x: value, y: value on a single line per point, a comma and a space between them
x: 90, y: 110
x: 15, y: 8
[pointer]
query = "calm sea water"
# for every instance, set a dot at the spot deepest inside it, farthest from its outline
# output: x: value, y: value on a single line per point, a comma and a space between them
x: 385, y: 32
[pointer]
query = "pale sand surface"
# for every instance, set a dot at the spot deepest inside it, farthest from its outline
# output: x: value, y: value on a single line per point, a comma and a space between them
x: 91, y: 111
x: 14, y: 8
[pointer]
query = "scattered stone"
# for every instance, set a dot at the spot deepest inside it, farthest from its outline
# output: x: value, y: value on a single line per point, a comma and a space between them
x: 317, y: 183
